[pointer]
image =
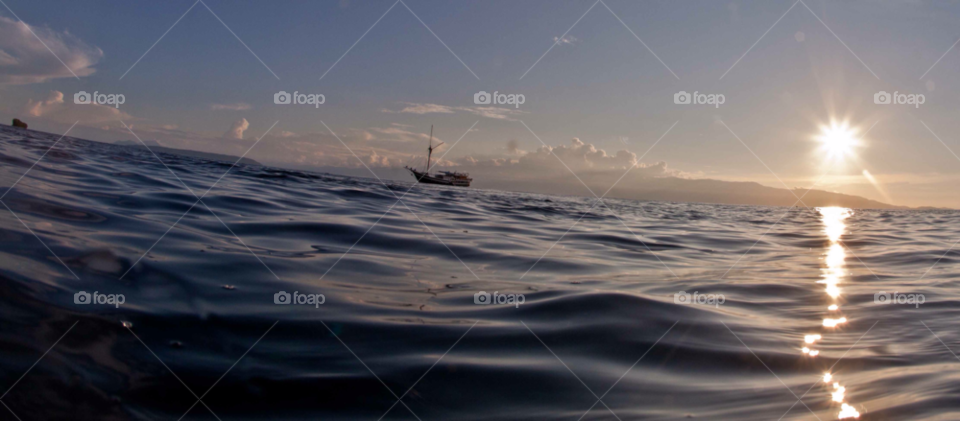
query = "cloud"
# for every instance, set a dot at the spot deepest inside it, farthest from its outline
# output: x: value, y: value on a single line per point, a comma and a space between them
x: 323, y: 150
x: 37, y: 108
x: 506, y: 166
x: 499, y: 113
x: 24, y: 59
x: 396, y: 134
x: 568, y: 40
x: 377, y: 160
x: 415, y: 108
x: 580, y: 156
x: 513, y: 147
x: 583, y: 159
x: 240, y: 106
x: 54, y: 108
x: 236, y: 130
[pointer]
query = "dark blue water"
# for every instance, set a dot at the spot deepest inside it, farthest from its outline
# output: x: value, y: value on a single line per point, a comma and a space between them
x: 600, y: 315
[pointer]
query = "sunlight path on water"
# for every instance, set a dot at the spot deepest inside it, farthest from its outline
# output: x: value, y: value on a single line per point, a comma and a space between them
x: 833, y: 273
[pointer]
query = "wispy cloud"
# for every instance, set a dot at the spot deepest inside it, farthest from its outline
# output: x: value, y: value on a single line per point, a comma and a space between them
x: 414, y: 108
x: 567, y: 40
x: 24, y: 59
x: 499, y: 113
x: 239, y: 106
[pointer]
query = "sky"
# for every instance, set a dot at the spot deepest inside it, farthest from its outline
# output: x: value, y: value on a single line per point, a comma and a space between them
x: 598, y: 81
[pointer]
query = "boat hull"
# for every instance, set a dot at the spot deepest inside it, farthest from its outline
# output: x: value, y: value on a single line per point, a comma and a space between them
x: 429, y: 179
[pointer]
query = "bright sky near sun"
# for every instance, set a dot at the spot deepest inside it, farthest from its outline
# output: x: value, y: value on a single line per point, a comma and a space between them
x: 800, y: 85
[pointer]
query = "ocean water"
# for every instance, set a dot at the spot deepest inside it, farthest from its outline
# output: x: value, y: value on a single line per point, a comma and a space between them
x: 597, y: 325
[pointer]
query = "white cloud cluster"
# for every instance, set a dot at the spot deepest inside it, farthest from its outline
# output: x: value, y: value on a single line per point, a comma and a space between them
x: 25, y: 59
x: 237, y: 128
x: 54, y: 108
x: 37, y: 108
x: 579, y: 156
x: 584, y: 159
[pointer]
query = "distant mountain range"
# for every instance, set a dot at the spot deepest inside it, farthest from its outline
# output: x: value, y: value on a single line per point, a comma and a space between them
x: 667, y: 189
x: 154, y: 146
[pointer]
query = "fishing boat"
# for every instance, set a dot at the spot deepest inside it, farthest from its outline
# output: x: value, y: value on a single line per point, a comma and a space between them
x: 446, y: 178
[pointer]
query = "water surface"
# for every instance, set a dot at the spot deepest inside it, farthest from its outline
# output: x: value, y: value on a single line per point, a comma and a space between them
x: 604, y: 332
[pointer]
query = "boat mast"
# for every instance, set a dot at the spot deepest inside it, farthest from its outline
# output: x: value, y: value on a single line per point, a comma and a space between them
x: 429, y: 149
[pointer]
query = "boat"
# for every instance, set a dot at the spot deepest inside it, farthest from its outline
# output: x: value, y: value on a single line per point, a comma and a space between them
x: 445, y: 178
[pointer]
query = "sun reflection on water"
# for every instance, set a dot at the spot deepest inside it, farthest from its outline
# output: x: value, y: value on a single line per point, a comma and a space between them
x: 833, y: 273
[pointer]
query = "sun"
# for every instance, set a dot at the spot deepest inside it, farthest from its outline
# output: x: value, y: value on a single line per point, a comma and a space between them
x: 838, y: 140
